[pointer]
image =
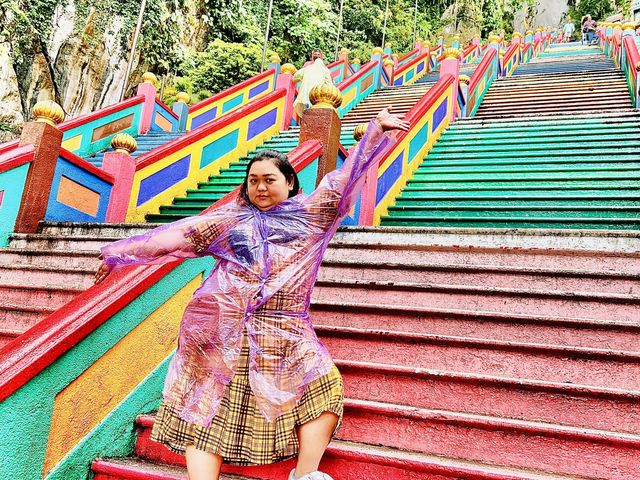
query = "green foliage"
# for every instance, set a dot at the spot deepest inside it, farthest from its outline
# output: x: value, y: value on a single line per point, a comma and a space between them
x: 598, y: 9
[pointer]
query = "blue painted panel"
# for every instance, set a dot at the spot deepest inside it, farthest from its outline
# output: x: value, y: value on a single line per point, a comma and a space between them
x: 389, y: 178
x: 409, y: 75
x: 158, y: 110
x: 11, y: 185
x: 204, y: 118
x: 440, y: 114
x: 59, y: 212
x: 163, y: 179
x: 399, y: 81
x: 418, y: 142
x: 219, y: 148
x: 263, y: 122
x: 420, y: 67
x: 258, y: 89
x: 233, y: 103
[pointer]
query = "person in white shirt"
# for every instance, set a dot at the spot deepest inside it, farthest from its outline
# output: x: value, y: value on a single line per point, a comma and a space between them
x: 568, y: 30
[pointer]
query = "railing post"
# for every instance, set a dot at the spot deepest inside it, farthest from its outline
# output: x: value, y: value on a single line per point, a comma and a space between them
x: 181, y: 108
x: 387, y: 49
x: 148, y: 90
x: 344, y: 56
x: 321, y: 123
x: 46, y: 140
x: 389, y: 67
x: 464, y: 81
x: 274, y: 62
x: 376, y: 56
x: 122, y: 167
x: 355, y: 64
x: 455, y: 43
x: 451, y: 66
x: 494, y: 43
x: 528, y: 38
x: 285, y: 80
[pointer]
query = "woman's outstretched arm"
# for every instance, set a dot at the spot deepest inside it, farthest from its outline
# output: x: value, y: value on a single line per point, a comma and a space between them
x: 187, y: 238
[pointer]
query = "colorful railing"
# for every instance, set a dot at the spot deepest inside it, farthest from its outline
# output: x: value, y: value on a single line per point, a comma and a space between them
x: 481, y: 80
x: 339, y: 70
x: 527, y: 52
x: 168, y: 171
x: 406, y: 58
x: 231, y: 99
x: 14, y: 166
x: 358, y: 87
x: 428, y: 118
x: 411, y: 71
x: 471, y: 54
x: 80, y: 192
x: 93, y: 132
x: 629, y: 63
x: 73, y: 371
x: 511, y: 60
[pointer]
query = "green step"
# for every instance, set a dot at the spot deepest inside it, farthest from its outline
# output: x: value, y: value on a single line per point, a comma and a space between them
x: 427, y: 173
x: 158, y: 218
x: 182, y: 210
x: 592, y: 142
x: 213, y: 188
x: 523, y: 185
x: 533, y: 174
x: 197, y: 198
x: 513, y: 201
x: 513, y: 222
x: 428, y: 165
x: 575, y: 135
x: 605, y: 192
x: 563, y: 124
x: 549, y: 153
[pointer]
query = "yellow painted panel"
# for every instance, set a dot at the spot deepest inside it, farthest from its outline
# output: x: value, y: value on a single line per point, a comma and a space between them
x: 72, y: 144
x: 81, y: 406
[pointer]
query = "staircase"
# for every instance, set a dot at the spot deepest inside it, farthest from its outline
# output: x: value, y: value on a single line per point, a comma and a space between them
x: 469, y: 356
x: 146, y: 143
x: 39, y: 273
x: 538, y: 154
x: 402, y: 98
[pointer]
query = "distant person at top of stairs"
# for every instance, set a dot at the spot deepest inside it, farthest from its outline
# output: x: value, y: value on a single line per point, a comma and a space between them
x: 250, y: 382
x: 568, y: 30
x: 314, y: 74
x: 588, y: 29
x: 315, y: 54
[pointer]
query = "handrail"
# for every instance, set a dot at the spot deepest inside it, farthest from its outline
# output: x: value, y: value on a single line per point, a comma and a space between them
x: 630, y: 64
x: 511, y: 51
x: 204, y: 130
x: 482, y: 68
x: 86, y: 166
x: 410, y: 64
x: 8, y: 146
x: 426, y: 102
x: 230, y: 90
x: 16, y: 157
x: 166, y: 108
x: 353, y: 78
x: 103, y: 112
x: 407, y: 55
x: 49, y: 339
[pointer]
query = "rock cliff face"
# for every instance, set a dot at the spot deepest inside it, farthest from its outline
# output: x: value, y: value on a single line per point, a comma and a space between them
x: 77, y: 68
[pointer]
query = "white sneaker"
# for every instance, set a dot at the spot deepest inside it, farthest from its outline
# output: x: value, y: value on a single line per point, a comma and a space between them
x: 317, y: 475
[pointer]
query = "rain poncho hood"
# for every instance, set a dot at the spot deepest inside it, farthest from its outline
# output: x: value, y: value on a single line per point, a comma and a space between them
x: 266, y: 266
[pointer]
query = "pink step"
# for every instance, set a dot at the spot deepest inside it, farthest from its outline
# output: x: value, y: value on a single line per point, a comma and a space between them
x: 536, y: 446
x: 60, y: 243
x: 89, y: 260
x: 597, y: 306
x: 7, y: 335
x: 37, y: 296
x: 552, y: 330
x: 352, y: 461
x: 21, y: 317
x: 516, y: 398
x: 487, y: 257
x: 51, y: 276
x: 604, y: 368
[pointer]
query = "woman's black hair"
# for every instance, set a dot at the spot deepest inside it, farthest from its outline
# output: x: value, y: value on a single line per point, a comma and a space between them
x: 281, y: 161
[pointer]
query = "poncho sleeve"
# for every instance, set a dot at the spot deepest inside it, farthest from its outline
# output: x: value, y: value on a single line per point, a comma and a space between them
x: 187, y: 238
x: 338, y: 191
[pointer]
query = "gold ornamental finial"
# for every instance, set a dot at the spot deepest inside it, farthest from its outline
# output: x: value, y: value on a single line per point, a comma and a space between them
x: 288, y: 68
x: 502, y: 52
x: 356, y: 61
x: 516, y: 35
x: 48, y: 111
x: 389, y: 63
x: 124, y: 143
x: 359, y: 131
x: 275, y: 58
x: 529, y: 32
x: 426, y: 43
x: 638, y: 66
x: 149, y: 77
x: 539, y: 30
x: 494, y: 39
x: 344, y: 51
x: 434, y: 54
x: 387, y: 45
x: 326, y: 95
x: 456, y: 37
x: 183, y: 97
x: 617, y: 25
x: 464, y: 79
x: 628, y: 26
x: 476, y: 35
x: 419, y: 40
x: 451, y: 53
x: 394, y: 56
x: 377, y: 51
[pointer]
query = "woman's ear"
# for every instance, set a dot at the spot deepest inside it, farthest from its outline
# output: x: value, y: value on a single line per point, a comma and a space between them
x: 290, y: 183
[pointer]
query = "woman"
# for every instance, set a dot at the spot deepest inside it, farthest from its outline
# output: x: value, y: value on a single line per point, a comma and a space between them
x: 250, y: 383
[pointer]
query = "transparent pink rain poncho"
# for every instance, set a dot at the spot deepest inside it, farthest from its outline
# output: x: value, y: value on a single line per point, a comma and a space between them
x: 266, y: 265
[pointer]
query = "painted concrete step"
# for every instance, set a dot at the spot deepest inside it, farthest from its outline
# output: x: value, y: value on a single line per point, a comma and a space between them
x: 516, y: 443
x: 38, y: 296
x: 62, y: 243
x: 115, y: 230
x: 518, y: 328
x: 546, y: 120
x: 630, y: 213
x: 69, y: 259
x: 356, y: 461
x: 492, y: 137
x: 137, y: 469
x: 559, y: 183
x: 570, y: 303
x: 510, y: 398
x: 568, y: 175
x: 533, y: 361
x: 8, y: 335
x: 526, y: 161
x: 549, y: 278
x: 45, y: 276
x: 21, y: 317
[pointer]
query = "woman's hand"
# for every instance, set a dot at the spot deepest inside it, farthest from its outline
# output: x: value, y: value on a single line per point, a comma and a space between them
x: 389, y: 121
x: 103, y: 272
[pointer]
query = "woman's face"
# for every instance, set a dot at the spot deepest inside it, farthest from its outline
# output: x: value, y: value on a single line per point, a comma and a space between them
x: 266, y: 185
